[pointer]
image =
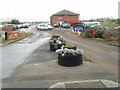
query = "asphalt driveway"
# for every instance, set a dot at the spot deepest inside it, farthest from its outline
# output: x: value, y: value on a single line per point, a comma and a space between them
x: 40, y: 70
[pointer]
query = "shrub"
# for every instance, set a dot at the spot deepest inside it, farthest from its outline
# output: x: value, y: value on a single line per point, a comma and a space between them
x: 111, y: 35
x: 99, y: 33
x: 103, y: 32
x: 87, y: 32
x: 8, y: 28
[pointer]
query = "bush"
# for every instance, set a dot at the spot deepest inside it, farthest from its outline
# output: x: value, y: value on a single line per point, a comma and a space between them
x: 103, y: 32
x: 99, y: 33
x: 87, y: 32
x: 8, y: 28
x: 111, y: 35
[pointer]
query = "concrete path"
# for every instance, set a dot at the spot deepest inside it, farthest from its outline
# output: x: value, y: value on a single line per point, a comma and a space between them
x: 85, y: 84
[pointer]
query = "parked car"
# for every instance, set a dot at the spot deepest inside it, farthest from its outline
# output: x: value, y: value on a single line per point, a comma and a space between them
x: 1, y: 26
x: 66, y: 25
x: 56, y: 25
x: 92, y: 24
x: 18, y: 26
x: 25, y: 25
x: 44, y: 27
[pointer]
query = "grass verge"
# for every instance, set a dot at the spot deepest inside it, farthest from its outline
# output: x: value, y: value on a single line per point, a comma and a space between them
x: 110, y: 25
x: 4, y: 42
x: 114, y: 43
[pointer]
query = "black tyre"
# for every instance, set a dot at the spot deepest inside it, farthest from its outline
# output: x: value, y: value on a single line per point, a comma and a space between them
x: 70, y: 60
x: 52, y: 47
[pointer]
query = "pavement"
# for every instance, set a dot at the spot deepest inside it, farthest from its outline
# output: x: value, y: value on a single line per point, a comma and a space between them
x: 85, y: 84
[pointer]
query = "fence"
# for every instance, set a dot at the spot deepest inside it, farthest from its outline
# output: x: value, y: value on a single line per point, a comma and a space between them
x: 14, y: 35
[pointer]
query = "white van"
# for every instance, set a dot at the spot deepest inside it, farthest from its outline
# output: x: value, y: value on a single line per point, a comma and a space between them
x: 92, y: 24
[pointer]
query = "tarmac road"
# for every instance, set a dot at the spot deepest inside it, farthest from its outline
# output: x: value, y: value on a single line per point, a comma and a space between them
x: 40, y: 69
x: 106, y: 55
x: 16, y: 53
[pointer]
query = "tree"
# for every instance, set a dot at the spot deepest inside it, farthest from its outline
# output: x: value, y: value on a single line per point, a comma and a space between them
x: 91, y: 20
x: 14, y: 21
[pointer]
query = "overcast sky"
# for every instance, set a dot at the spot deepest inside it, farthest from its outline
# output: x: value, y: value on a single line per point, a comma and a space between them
x: 41, y: 10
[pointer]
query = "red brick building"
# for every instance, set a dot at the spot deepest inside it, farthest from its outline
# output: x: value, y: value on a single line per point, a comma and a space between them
x: 64, y: 16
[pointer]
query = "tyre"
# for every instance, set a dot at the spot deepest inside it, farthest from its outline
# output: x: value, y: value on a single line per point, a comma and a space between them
x: 52, y: 47
x: 50, y: 29
x: 70, y: 61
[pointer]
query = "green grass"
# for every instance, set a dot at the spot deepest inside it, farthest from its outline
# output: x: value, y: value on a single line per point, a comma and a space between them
x: 98, y: 39
x: 0, y: 40
x: 108, y: 24
x: 113, y: 43
x: 3, y: 41
x: 116, y: 43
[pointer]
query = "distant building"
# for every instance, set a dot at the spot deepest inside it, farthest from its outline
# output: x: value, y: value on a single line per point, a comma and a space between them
x: 64, y: 16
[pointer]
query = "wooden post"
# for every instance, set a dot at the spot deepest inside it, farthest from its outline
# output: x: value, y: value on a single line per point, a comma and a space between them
x: 6, y: 35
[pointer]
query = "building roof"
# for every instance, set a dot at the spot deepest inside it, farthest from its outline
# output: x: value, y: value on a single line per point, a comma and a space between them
x: 65, y: 12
